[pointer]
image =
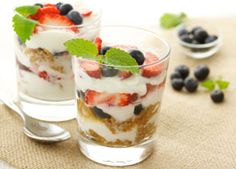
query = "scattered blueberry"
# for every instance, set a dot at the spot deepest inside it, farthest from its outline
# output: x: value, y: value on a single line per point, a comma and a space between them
x: 38, y: 4
x: 177, y: 84
x: 65, y: 8
x: 175, y: 75
x: 138, y: 109
x: 201, y: 72
x: 104, y: 50
x: 58, y: 5
x: 138, y: 56
x: 186, y: 38
x: 195, y: 28
x: 200, y: 35
x: 183, y: 71
x: 190, y: 84
x: 109, y: 71
x: 75, y: 17
x: 99, y: 113
x: 182, y: 32
x: 217, y: 96
x: 210, y: 39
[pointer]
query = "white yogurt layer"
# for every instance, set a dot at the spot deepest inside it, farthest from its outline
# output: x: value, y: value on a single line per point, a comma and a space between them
x: 32, y: 85
x: 52, y: 40
x: 101, y: 129
x: 133, y: 84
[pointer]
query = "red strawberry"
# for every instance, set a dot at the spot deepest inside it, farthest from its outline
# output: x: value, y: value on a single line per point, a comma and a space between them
x: 119, y: 99
x: 98, y: 42
x: 124, y: 74
x: 91, y: 68
x: 57, y: 20
x: 150, y: 88
x: 47, y: 5
x: 151, y: 70
x: 45, y: 10
x: 86, y: 13
x: 43, y: 75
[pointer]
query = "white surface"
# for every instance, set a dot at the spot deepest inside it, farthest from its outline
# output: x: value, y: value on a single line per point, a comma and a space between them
x: 143, y: 13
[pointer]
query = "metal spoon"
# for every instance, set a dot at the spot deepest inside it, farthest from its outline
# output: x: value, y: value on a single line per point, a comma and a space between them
x: 38, y: 130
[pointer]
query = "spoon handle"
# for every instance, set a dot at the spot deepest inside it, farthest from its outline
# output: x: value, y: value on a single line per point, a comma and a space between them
x: 13, y: 106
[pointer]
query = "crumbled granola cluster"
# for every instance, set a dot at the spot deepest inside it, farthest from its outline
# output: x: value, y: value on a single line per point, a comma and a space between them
x: 145, y: 126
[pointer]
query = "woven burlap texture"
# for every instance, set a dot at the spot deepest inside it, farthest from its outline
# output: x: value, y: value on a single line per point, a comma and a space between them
x: 193, y: 132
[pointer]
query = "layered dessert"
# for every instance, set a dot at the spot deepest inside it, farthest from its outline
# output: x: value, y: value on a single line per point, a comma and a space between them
x: 118, y: 107
x: 43, y: 64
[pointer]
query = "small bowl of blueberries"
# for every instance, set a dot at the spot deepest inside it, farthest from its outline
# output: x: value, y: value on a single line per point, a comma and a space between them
x: 199, y: 42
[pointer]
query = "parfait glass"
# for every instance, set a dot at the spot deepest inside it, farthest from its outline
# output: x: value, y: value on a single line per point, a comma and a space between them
x: 45, y: 78
x: 118, y: 110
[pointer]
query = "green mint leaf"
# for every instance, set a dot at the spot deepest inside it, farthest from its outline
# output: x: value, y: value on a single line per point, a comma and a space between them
x: 208, y: 84
x: 222, y: 84
x: 23, y: 27
x: 121, y: 59
x: 169, y: 20
x: 82, y: 48
x: 27, y: 10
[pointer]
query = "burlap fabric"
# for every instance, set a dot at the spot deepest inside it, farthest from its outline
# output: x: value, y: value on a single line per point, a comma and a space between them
x: 193, y: 132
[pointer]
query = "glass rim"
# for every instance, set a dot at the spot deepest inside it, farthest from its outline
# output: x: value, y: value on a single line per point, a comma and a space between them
x: 166, y: 44
x: 95, y: 20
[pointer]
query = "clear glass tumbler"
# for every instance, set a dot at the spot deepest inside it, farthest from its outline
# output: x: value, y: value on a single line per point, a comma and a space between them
x: 44, y: 69
x: 118, y: 110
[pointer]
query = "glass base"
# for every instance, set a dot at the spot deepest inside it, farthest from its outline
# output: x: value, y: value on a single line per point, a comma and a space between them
x: 48, y: 110
x: 113, y: 156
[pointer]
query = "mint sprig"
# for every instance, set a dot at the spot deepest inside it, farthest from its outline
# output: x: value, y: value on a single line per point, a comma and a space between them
x: 113, y: 57
x: 212, y: 84
x: 27, y: 10
x: 170, y: 20
x: 23, y: 26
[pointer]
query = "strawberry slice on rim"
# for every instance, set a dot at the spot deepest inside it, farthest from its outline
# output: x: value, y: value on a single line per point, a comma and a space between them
x: 91, y: 68
x: 151, y: 70
x: 118, y: 99
x: 57, y: 20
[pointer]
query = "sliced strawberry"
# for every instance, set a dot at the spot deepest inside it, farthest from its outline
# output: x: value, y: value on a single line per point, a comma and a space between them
x: 119, y: 99
x: 43, y: 75
x: 98, y: 42
x: 45, y: 10
x: 91, y: 68
x: 86, y: 13
x: 150, y: 88
x: 151, y: 70
x: 124, y: 74
x: 49, y: 5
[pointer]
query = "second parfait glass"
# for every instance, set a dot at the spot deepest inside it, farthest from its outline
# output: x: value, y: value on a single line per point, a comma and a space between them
x: 117, y: 109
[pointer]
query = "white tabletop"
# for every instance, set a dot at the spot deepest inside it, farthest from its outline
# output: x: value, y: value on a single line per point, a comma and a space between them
x: 144, y: 13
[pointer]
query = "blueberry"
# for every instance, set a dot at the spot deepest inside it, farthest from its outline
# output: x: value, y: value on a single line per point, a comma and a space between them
x: 217, y: 96
x: 104, y: 50
x: 138, y: 56
x: 195, y: 28
x: 38, y: 4
x: 80, y: 94
x: 175, y: 75
x: 100, y: 113
x: 65, y: 8
x: 200, y: 35
x: 177, y: 84
x: 191, y: 84
x: 182, y: 32
x: 201, y: 72
x: 75, y: 17
x: 211, y: 39
x: 58, y: 5
x: 138, y: 109
x: 109, y: 71
x: 183, y: 70
x: 186, y: 38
